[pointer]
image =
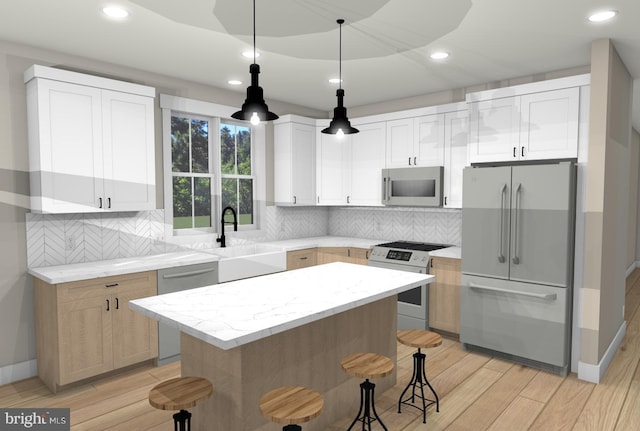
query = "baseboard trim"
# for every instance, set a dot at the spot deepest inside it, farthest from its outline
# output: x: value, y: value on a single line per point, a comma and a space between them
x: 633, y: 266
x: 594, y: 373
x: 20, y: 371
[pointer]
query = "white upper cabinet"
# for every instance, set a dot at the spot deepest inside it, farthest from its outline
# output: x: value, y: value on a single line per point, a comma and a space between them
x: 295, y: 161
x: 366, y: 161
x: 91, y: 143
x: 527, y: 122
x: 429, y: 142
x: 455, y: 156
x: 417, y: 141
x: 332, y: 161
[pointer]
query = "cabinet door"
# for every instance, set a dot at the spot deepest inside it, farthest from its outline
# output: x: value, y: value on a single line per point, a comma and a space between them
x: 332, y: 153
x: 303, y: 164
x: 85, y: 336
x: 429, y: 146
x: 359, y: 256
x: 301, y: 259
x: 66, y: 139
x: 494, y: 130
x: 549, y: 128
x: 135, y: 336
x: 400, y: 143
x: 455, y: 156
x: 367, y: 152
x: 444, y: 295
x: 332, y: 254
x: 129, y: 151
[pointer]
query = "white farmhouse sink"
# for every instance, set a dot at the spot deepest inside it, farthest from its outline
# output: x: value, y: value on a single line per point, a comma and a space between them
x: 244, y: 261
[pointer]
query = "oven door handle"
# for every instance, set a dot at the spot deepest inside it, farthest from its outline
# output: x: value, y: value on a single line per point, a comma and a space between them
x: 545, y: 296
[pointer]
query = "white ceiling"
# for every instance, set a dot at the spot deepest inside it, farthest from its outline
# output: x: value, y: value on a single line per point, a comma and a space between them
x: 385, y: 43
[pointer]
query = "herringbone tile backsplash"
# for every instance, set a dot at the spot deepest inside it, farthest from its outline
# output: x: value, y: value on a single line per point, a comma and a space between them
x: 74, y: 238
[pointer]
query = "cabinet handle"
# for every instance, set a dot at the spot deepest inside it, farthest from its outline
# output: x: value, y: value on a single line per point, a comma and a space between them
x: 107, y: 305
x: 295, y: 200
x: 409, y: 161
x: 111, y: 285
x: 366, y: 254
x: 348, y: 252
x: 109, y: 203
x: 514, y: 151
x: 414, y: 161
x: 431, y: 263
x: 100, y: 202
x: 304, y: 258
x: 117, y: 304
x: 522, y: 153
x: 445, y: 201
x: 348, y: 200
x: 318, y: 198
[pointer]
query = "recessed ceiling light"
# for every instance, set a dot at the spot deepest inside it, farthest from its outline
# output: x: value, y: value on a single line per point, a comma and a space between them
x: 115, y: 12
x: 334, y: 80
x: 439, y: 55
x: 249, y: 54
x: 234, y: 82
x: 603, y: 16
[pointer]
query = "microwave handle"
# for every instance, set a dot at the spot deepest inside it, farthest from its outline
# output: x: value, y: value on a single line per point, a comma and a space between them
x: 384, y: 189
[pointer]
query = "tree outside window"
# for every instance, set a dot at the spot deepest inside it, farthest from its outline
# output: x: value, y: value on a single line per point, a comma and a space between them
x: 236, y: 173
x: 190, y: 167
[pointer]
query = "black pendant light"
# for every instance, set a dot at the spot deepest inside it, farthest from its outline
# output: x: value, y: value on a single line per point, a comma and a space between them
x: 340, y: 125
x: 254, y: 108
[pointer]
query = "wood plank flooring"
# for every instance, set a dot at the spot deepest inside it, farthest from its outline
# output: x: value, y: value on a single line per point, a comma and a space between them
x: 476, y: 392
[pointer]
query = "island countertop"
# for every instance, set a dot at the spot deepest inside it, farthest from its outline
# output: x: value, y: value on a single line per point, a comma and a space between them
x: 232, y: 314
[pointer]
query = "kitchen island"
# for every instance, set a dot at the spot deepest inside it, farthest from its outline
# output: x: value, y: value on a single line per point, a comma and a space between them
x: 291, y: 328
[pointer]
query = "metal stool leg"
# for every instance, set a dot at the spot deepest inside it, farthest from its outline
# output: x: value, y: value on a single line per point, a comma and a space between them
x: 182, y: 421
x: 367, y: 390
x: 419, y: 379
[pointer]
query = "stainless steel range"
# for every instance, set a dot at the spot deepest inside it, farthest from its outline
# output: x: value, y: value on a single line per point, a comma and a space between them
x: 413, y: 305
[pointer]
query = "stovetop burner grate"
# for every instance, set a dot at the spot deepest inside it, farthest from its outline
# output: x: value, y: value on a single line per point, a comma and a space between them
x: 410, y: 245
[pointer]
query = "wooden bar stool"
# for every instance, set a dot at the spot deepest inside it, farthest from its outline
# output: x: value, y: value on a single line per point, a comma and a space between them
x: 367, y: 366
x: 180, y: 393
x: 291, y: 405
x: 421, y: 339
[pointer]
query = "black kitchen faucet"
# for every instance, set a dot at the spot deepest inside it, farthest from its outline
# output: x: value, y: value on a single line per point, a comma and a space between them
x: 222, y: 239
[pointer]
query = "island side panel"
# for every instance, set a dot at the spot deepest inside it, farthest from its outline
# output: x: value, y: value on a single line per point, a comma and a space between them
x: 308, y: 355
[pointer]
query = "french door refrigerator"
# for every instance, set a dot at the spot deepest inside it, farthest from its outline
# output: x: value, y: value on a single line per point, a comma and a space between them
x: 517, y: 262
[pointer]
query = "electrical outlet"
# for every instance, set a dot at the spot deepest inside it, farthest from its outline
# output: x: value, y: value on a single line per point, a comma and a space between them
x: 70, y: 243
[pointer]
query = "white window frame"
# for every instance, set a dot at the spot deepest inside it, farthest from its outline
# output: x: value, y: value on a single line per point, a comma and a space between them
x: 171, y: 105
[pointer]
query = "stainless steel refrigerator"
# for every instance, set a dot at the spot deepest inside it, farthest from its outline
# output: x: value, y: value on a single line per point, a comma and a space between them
x: 517, y: 262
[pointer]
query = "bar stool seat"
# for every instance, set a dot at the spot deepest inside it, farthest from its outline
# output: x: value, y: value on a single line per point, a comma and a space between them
x: 291, y: 405
x: 367, y: 366
x: 421, y: 339
x: 180, y: 393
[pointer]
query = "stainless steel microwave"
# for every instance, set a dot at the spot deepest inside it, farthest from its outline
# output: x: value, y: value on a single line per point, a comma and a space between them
x: 419, y: 186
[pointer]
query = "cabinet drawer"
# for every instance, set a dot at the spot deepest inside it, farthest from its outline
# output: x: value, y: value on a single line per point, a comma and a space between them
x: 301, y: 258
x: 103, y: 286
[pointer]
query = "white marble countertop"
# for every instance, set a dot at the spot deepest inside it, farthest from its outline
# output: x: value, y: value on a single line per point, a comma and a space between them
x: 239, y: 312
x: 450, y: 252
x: 105, y: 268
x: 325, y: 241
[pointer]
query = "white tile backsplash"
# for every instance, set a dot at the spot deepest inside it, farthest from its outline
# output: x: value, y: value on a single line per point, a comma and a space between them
x: 55, y: 239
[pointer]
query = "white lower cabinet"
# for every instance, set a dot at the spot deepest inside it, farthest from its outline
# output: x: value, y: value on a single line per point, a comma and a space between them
x: 91, y: 143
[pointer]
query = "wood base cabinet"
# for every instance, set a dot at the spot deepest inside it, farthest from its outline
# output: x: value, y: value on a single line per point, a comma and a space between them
x: 298, y: 259
x: 343, y: 254
x: 85, y: 328
x: 444, y: 295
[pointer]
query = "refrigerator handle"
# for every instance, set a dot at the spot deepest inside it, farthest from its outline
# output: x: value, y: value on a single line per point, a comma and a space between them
x: 503, y: 194
x: 516, y: 259
x: 545, y: 296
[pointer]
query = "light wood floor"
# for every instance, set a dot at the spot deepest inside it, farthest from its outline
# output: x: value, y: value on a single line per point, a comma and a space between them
x: 476, y: 393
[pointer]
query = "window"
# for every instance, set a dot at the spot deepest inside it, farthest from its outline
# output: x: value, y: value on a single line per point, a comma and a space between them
x: 209, y: 164
x: 191, y: 173
x: 236, y: 171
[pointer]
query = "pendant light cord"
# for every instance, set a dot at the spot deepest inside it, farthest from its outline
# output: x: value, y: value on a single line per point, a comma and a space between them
x: 340, y: 21
x: 254, y: 31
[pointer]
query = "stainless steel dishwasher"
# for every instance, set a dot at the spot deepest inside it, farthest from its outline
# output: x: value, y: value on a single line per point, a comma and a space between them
x: 174, y: 280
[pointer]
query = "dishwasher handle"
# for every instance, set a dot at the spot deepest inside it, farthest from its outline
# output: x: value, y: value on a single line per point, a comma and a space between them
x: 545, y: 296
x: 188, y: 273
